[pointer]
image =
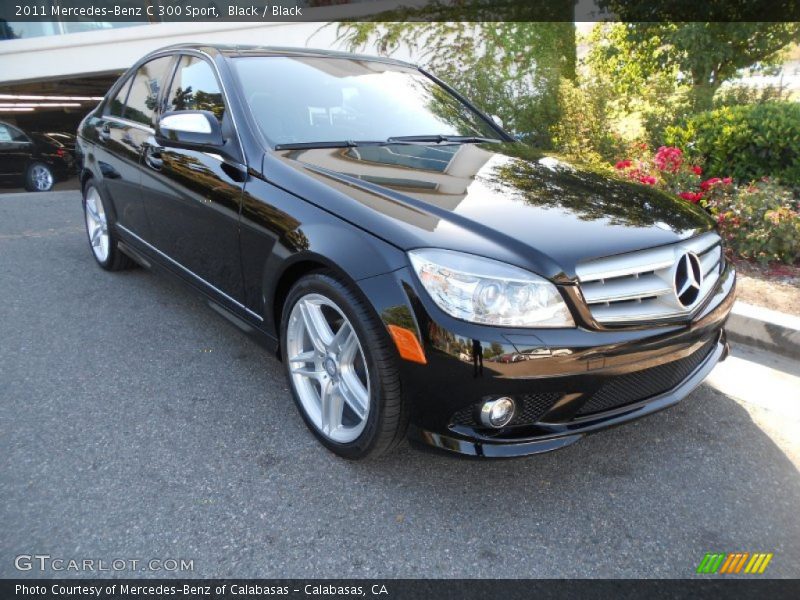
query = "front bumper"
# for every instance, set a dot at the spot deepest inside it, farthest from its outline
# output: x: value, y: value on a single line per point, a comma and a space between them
x: 564, y: 434
x: 566, y: 382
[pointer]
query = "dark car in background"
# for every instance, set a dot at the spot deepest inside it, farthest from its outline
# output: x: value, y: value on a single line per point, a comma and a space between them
x: 57, y: 139
x: 397, y: 250
x: 36, y: 161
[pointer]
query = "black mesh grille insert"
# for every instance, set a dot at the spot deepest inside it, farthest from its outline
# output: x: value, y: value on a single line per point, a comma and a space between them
x: 530, y: 407
x: 638, y: 385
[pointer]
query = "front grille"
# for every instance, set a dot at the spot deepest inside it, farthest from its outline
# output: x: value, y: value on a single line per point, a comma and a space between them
x: 639, y: 286
x: 530, y: 408
x: 638, y: 385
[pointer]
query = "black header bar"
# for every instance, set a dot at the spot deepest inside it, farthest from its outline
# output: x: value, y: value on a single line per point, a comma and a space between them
x: 156, y: 11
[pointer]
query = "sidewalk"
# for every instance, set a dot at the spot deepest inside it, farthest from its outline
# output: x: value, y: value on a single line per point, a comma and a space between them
x: 768, y: 387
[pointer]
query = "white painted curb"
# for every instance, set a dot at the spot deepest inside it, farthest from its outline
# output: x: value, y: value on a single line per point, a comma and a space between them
x: 764, y: 328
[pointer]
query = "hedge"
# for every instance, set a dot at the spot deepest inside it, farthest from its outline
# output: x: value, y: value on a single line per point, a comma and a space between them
x: 746, y: 142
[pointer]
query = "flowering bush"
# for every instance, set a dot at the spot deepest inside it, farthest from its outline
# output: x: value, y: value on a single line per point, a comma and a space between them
x: 666, y: 169
x: 760, y: 221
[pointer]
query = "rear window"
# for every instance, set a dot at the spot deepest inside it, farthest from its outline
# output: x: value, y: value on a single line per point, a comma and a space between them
x: 11, y: 134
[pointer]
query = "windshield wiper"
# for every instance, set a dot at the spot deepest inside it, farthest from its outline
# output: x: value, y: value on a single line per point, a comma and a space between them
x: 334, y: 144
x: 339, y: 144
x: 401, y: 139
x: 439, y: 139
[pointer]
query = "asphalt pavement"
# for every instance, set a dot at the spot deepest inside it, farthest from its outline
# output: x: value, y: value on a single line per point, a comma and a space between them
x: 135, y: 423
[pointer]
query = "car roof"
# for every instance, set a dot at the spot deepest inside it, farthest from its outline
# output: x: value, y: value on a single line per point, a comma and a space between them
x: 234, y: 50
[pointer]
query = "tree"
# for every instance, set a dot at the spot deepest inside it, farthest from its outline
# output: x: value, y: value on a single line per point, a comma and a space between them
x: 511, y: 69
x: 701, y: 56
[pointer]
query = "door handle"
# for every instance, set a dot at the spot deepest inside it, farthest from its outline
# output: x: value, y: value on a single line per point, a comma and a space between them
x: 152, y: 156
x: 105, y: 133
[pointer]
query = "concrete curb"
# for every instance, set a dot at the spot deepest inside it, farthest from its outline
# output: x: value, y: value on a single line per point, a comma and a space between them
x: 764, y: 328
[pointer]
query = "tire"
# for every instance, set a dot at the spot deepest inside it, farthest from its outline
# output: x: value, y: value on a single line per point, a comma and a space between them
x: 39, y: 178
x: 100, y: 231
x: 374, y: 366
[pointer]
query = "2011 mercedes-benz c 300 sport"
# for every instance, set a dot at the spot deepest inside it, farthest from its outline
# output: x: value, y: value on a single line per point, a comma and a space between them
x: 419, y: 273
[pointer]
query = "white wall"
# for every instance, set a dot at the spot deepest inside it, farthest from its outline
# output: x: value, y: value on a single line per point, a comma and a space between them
x: 99, y: 52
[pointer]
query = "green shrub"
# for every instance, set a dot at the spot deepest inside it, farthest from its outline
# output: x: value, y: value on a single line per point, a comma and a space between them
x: 746, y: 142
x: 582, y: 132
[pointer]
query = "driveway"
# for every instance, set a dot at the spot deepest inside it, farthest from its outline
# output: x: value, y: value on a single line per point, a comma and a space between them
x: 135, y: 423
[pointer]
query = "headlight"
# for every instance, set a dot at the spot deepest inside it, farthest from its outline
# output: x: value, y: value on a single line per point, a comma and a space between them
x: 486, y: 291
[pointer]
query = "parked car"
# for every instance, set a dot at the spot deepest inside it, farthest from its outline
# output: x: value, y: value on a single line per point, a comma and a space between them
x: 33, y: 161
x: 511, y: 358
x: 366, y: 223
x: 58, y: 139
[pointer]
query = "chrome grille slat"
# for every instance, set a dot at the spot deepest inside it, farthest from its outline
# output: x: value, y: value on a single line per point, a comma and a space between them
x: 624, y: 265
x: 701, y: 243
x: 710, y: 260
x: 639, y: 286
x: 625, y: 288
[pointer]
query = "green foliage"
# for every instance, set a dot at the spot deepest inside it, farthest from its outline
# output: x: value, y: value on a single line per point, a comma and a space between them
x: 747, y: 142
x: 581, y: 132
x: 660, y: 109
x: 511, y: 69
x: 737, y: 95
x: 699, y: 55
x: 761, y: 221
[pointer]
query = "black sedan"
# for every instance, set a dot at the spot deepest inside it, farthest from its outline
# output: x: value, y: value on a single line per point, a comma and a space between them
x: 57, y: 139
x: 33, y: 160
x: 393, y: 246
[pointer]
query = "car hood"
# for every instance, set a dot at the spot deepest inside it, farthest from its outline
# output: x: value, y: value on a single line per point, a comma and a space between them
x: 504, y: 201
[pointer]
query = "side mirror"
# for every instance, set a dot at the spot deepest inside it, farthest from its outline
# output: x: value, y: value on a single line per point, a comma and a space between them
x: 190, y: 129
x: 497, y: 121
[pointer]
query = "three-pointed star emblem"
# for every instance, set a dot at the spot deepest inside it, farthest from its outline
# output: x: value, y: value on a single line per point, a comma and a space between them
x: 688, y: 279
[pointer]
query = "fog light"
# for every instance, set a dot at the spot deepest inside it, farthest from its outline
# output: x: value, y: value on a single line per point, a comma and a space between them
x: 497, y: 413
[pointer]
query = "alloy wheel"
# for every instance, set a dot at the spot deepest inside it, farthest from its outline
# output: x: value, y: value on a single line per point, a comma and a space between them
x: 97, y: 225
x: 42, y: 178
x: 328, y: 368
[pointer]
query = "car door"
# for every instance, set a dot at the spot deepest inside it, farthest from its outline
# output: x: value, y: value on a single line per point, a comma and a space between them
x: 126, y: 124
x: 193, y: 197
x: 15, y: 151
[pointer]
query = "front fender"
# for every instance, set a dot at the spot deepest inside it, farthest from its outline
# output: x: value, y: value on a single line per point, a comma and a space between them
x: 283, y: 236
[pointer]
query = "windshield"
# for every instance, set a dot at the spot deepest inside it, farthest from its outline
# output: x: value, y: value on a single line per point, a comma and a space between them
x: 301, y: 100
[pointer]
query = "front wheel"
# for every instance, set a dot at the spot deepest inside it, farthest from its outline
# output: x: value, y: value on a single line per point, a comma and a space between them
x: 341, y: 368
x: 39, y: 178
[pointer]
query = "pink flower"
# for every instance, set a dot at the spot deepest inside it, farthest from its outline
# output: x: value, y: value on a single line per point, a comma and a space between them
x: 647, y: 179
x: 623, y: 164
x: 668, y: 158
x: 693, y: 197
x: 709, y: 183
x: 727, y: 180
x: 697, y: 170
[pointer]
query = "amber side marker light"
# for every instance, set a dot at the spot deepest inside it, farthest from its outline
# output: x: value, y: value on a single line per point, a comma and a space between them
x: 407, y: 344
